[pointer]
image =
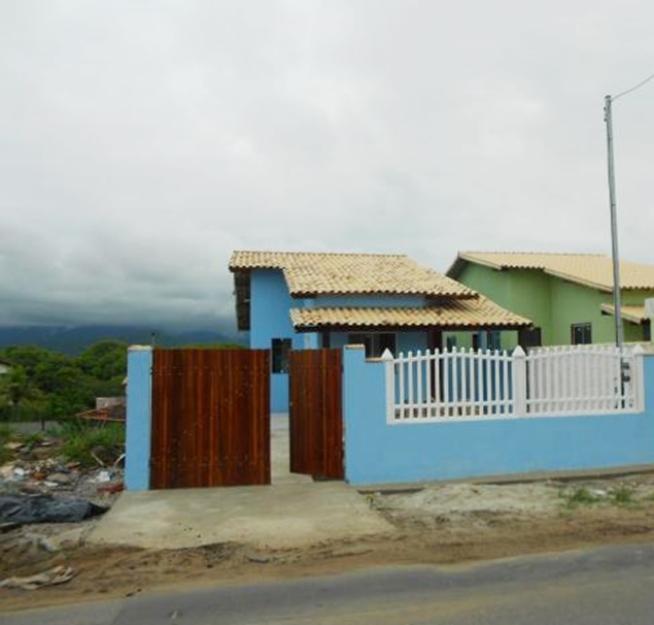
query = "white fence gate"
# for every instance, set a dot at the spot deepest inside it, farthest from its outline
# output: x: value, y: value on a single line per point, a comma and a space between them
x: 551, y: 381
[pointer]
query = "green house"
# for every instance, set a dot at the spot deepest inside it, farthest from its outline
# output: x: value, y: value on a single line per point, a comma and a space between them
x: 568, y: 297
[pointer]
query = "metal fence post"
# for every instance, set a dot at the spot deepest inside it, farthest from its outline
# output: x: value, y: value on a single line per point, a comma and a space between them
x: 519, y: 382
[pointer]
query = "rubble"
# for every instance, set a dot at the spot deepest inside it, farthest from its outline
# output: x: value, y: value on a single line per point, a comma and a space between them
x: 38, y: 474
x: 57, y: 575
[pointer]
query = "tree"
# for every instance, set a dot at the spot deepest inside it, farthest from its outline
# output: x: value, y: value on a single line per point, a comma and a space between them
x: 15, y: 387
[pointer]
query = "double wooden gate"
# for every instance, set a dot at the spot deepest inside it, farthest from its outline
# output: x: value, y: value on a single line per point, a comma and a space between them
x: 316, y: 422
x: 210, y: 417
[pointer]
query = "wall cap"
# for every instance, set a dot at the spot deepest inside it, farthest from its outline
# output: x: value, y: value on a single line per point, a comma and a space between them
x: 139, y: 348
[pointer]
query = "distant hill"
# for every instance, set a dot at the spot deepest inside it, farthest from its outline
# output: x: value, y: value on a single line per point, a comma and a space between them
x: 74, y: 339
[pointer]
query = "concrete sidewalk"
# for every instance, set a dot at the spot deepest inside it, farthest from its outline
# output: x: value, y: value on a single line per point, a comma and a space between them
x: 294, y: 511
x: 274, y: 517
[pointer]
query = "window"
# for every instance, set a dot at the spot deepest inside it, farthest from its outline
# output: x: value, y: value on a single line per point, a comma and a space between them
x: 530, y: 337
x: 581, y: 334
x: 375, y: 343
x: 450, y: 342
x: 476, y: 336
x: 280, y: 350
x: 647, y: 331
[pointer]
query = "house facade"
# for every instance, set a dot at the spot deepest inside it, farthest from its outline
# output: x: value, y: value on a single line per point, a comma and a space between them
x: 567, y: 296
x: 301, y: 300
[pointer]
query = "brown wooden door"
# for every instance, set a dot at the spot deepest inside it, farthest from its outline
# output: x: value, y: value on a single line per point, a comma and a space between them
x: 316, y: 422
x: 210, y: 418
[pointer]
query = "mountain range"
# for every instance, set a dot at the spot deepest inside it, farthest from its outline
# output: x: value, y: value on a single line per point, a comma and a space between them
x: 74, y: 339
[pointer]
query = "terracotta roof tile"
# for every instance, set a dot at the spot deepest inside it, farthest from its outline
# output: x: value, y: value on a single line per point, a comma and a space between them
x: 594, y: 270
x: 314, y: 273
x: 461, y: 313
x: 635, y: 314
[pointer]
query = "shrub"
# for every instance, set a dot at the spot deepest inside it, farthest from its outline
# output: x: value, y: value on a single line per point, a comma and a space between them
x: 5, y: 437
x: 83, y: 443
x: 623, y: 496
x: 581, y: 496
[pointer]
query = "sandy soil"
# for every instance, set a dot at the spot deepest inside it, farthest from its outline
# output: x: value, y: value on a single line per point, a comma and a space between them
x: 442, y: 524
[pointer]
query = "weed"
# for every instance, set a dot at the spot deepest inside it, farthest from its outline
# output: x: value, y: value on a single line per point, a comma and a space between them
x: 32, y: 440
x: 623, y: 496
x: 86, y: 443
x: 6, y: 434
x: 580, y: 497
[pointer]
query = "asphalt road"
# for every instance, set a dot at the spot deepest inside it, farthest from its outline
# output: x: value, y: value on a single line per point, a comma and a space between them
x: 607, y: 586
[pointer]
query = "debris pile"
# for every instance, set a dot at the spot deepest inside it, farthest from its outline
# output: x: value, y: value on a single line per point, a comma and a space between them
x: 37, y: 470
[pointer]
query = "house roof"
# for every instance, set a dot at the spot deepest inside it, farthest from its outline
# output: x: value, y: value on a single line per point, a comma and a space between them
x: 320, y: 273
x: 453, y: 313
x: 635, y: 314
x: 592, y: 270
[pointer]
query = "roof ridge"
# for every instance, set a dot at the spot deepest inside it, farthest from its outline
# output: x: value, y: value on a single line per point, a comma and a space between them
x: 515, y: 253
x: 298, y: 253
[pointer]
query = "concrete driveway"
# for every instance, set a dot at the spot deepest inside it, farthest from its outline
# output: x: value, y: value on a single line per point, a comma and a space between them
x: 293, y: 512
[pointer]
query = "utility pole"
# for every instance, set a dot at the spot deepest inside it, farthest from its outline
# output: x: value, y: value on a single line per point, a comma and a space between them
x: 617, y: 304
x: 608, y: 118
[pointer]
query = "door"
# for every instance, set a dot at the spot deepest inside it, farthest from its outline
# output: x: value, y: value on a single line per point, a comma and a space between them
x: 210, y: 418
x: 315, y: 413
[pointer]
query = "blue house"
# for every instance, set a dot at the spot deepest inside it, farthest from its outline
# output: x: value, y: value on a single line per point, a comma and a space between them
x: 304, y: 300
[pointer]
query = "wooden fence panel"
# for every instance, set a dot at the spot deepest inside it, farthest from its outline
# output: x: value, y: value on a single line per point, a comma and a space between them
x: 315, y: 413
x: 210, y: 418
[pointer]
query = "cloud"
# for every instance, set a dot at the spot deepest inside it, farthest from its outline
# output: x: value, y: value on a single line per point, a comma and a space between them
x: 142, y: 141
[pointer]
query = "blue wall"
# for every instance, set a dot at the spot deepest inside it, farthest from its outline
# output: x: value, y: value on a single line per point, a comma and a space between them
x: 377, y: 453
x: 139, y: 418
x: 270, y: 304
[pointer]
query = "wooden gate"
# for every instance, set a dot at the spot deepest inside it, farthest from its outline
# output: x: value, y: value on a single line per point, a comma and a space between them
x: 210, y: 417
x: 316, y: 422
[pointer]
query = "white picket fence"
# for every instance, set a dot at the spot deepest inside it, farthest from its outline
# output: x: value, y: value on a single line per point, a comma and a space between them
x: 557, y: 381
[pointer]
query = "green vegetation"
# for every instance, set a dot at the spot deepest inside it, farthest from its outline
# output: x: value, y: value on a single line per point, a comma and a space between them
x: 580, y: 497
x: 623, y: 496
x: 620, y: 496
x: 5, y: 437
x: 42, y: 384
x: 90, y: 445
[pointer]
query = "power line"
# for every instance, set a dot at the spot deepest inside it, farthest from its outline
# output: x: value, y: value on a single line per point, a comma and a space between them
x: 638, y: 86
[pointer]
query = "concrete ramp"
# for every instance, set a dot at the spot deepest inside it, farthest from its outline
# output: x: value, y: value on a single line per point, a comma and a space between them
x: 274, y: 517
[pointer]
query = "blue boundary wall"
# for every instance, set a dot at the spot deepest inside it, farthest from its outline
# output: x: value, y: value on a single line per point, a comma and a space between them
x: 139, y: 418
x: 380, y: 453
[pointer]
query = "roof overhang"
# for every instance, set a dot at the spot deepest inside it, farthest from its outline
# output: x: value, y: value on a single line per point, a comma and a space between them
x: 633, y: 314
x: 456, y: 315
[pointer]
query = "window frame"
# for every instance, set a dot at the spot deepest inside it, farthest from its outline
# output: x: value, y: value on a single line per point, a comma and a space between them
x: 584, y: 326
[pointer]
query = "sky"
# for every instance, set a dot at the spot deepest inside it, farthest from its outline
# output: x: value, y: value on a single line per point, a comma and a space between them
x: 142, y: 142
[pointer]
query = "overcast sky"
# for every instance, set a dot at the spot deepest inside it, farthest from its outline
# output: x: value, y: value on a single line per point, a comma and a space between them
x: 141, y: 142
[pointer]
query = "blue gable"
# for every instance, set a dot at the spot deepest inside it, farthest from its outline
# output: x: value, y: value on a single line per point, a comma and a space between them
x: 270, y: 304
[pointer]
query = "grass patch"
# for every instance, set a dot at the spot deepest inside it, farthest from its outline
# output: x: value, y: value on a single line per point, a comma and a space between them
x: 85, y: 443
x: 623, y: 496
x: 5, y: 437
x: 580, y: 497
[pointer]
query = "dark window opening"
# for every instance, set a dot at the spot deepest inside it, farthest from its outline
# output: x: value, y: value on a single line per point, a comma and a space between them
x: 530, y: 337
x: 647, y: 331
x: 375, y: 344
x: 581, y: 334
x: 280, y: 352
x: 450, y: 342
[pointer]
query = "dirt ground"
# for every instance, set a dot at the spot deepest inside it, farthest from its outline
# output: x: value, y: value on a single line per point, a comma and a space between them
x: 452, y: 523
